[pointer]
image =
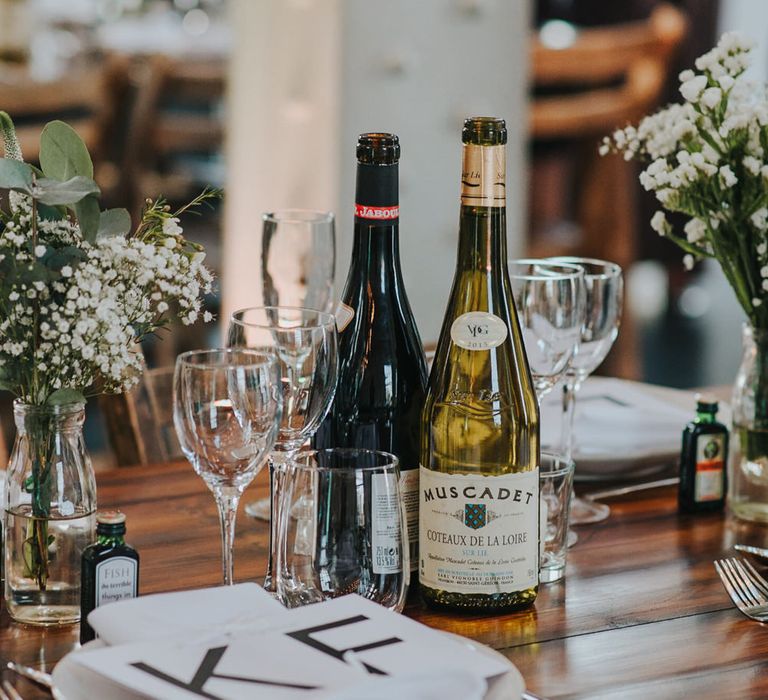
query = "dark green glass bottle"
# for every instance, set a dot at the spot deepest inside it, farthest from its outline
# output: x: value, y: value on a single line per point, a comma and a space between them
x: 110, y: 569
x: 703, y: 460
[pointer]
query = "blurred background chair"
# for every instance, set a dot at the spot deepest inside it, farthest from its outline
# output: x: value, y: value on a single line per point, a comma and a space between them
x: 91, y: 99
x: 176, y: 128
x: 139, y: 423
x: 585, y: 84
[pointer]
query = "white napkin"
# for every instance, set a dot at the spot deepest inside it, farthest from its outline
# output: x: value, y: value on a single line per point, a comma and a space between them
x: 175, y: 628
x: 184, y: 614
x: 618, y: 419
x: 461, y: 685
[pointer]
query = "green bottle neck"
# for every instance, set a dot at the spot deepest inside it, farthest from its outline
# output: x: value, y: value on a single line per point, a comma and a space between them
x: 110, y: 538
x: 705, y: 417
x: 483, y: 240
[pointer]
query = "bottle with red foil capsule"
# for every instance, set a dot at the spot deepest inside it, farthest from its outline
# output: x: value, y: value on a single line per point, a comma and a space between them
x: 382, y: 369
x: 703, y: 460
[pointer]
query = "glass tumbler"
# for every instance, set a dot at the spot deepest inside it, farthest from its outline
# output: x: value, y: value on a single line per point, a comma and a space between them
x: 556, y: 489
x: 341, y: 528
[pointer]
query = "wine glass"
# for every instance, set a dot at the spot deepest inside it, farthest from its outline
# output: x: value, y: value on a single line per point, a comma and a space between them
x: 226, y: 410
x: 342, y: 528
x: 298, y: 258
x: 305, y: 343
x: 604, y: 289
x: 549, y: 298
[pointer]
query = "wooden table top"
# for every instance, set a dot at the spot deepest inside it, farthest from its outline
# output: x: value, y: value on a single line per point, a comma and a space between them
x: 641, y: 613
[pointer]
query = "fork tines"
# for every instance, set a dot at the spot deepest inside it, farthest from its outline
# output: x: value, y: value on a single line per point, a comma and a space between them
x: 747, y: 588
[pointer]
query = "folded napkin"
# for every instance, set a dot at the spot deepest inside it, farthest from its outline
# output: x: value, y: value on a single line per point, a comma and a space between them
x: 243, y: 644
x: 461, y: 685
x: 617, y: 419
x: 184, y: 614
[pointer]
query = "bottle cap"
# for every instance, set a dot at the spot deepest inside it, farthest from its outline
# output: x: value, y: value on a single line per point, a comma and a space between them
x: 706, y: 403
x: 110, y: 517
x: 484, y: 131
x: 378, y: 148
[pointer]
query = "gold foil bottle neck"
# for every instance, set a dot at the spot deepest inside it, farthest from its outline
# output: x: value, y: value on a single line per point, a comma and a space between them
x: 483, y: 176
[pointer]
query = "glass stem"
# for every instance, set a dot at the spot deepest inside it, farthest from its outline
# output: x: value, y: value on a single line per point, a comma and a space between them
x: 227, y: 499
x: 570, y: 387
x: 276, y: 459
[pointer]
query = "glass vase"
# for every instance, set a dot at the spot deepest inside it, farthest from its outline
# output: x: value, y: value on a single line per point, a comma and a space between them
x: 748, y: 470
x: 50, y: 507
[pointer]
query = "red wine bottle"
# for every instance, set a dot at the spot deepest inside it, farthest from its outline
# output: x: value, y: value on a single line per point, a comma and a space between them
x: 382, y: 370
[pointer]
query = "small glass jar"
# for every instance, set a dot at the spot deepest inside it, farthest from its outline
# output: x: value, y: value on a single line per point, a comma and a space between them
x: 748, y: 474
x: 49, y: 519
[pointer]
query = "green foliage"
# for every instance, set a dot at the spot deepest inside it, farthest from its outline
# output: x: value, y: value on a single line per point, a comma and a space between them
x: 114, y: 222
x: 15, y: 175
x: 61, y: 397
x: 87, y: 213
x: 65, y: 193
x: 10, y: 142
x: 63, y: 155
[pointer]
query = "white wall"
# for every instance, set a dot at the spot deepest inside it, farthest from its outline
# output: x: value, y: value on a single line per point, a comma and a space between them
x: 414, y: 68
x: 751, y: 18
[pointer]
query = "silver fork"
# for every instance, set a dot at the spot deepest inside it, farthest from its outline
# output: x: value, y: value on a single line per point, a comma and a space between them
x: 748, y: 589
x: 9, y: 692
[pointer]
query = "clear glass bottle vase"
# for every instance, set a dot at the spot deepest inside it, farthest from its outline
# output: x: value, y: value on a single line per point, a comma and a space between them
x: 50, y: 507
x: 748, y: 470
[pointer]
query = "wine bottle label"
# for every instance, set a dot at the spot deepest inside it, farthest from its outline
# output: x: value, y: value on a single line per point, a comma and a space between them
x: 479, y: 534
x: 710, y: 452
x: 115, y: 580
x: 478, y: 330
x: 386, y: 537
x: 483, y: 176
x: 409, y: 493
x: 377, y: 213
x: 344, y: 315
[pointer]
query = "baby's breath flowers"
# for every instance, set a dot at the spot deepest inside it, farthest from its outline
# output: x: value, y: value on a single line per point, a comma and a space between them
x: 78, y: 291
x: 708, y: 159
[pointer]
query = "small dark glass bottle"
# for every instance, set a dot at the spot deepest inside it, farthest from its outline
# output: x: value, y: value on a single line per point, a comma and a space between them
x: 110, y: 569
x: 703, y: 460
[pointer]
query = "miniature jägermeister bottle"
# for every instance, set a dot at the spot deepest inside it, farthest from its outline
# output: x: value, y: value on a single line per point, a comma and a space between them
x: 703, y: 460
x: 110, y: 569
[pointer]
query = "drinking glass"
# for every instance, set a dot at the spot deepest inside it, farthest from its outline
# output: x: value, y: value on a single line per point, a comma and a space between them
x: 298, y: 258
x: 556, y: 489
x: 604, y: 290
x: 305, y: 343
x: 226, y: 410
x: 341, y: 528
x: 550, y: 307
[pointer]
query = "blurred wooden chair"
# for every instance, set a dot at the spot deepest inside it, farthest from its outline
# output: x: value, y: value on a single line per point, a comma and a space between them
x: 177, y: 111
x: 140, y: 422
x: 607, y: 78
x: 89, y: 100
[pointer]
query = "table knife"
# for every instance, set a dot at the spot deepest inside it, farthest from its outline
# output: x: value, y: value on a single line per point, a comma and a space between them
x: 749, y: 549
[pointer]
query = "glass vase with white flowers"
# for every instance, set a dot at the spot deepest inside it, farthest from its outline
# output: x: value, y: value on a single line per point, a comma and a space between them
x: 78, y: 291
x: 708, y: 161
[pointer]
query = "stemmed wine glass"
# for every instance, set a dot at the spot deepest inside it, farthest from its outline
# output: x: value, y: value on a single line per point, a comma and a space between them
x: 604, y: 288
x: 298, y: 262
x: 305, y: 343
x: 298, y: 258
x: 226, y: 410
x: 549, y: 297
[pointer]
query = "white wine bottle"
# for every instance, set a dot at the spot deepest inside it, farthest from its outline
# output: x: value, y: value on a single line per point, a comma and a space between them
x: 479, y: 478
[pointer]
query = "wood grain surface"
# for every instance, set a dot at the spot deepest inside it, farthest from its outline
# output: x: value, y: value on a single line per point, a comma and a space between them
x: 641, y: 613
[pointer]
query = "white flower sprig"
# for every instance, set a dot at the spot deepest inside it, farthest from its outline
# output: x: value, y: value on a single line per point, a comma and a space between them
x: 708, y: 159
x: 78, y: 329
